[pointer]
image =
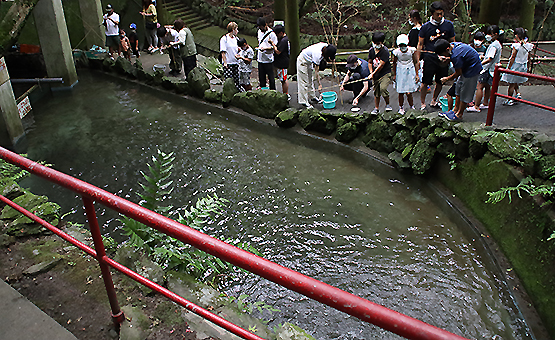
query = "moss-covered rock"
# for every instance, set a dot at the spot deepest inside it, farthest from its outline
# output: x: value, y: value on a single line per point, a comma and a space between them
x: 377, y: 136
x: 402, y: 139
x: 9, y: 189
x: 311, y: 120
x: 397, y: 158
x: 546, y: 166
x: 446, y: 148
x: 287, y: 118
x: 213, y: 96
x: 262, y: 103
x: 507, y: 146
x: 478, y: 144
x: 346, y: 133
x: 291, y: 332
x: 228, y: 91
x: 124, y: 67
x: 27, y: 201
x: 422, y: 157
x: 198, y: 82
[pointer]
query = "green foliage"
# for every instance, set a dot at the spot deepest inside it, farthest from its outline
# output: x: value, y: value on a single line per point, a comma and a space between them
x: 248, y: 307
x: 526, y: 185
x: 13, y: 172
x: 165, y: 250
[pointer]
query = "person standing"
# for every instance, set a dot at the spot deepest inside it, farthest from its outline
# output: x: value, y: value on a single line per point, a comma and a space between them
x: 405, y: 71
x: 228, y: 51
x: 519, y: 61
x: 309, y: 63
x: 431, y: 31
x: 281, y: 58
x: 151, y: 25
x: 187, y: 47
x: 265, y: 56
x: 380, y: 70
x: 416, y: 22
x: 356, y: 79
x: 491, y: 58
x: 111, y: 22
x: 134, y: 40
x: 468, y: 66
x: 245, y: 57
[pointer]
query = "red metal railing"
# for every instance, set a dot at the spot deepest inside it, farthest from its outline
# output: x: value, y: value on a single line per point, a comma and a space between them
x: 351, y: 304
x: 495, y: 87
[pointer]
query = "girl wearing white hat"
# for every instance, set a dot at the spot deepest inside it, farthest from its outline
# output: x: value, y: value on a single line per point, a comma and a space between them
x: 405, y: 71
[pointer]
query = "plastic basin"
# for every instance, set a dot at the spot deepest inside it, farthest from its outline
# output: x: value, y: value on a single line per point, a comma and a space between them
x: 329, y: 99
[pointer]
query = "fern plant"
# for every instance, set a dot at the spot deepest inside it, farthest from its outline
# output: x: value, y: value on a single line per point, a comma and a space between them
x: 165, y: 250
x: 13, y: 172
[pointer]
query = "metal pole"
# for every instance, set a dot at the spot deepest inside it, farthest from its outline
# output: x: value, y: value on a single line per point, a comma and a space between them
x: 117, y: 314
x: 493, y: 95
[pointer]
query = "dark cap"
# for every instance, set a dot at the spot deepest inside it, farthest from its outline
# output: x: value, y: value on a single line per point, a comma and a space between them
x: 352, y: 61
x: 108, y: 7
x: 329, y: 52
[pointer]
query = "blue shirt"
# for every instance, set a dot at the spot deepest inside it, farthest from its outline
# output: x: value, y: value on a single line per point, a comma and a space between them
x: 431, y: 33
x: 362, y: 69
x: 466, y: 58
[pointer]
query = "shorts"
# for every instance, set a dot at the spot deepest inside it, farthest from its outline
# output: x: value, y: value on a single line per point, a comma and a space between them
x: 112, y: 41
x: 465, y: 88
x: 485, y: 78
x: 433, y: 69
x: 451, y: 92
x: 380, y: 86
x: 244, y: 78
x: 281, y: 74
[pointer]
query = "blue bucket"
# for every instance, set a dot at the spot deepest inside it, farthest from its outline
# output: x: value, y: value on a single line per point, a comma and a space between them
x: 444, y: 104
x: 265, y: 88
x: 329, y: 99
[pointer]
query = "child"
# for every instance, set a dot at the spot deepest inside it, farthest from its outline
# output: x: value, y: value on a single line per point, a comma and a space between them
x: 380, y: 70
x: 405, y: 71
x: 134, y: 40
x: 245, y: 56
x: 518, y: 62
x: 478, y: 43
x: 281, y: 57
x: 492, y: 57
x: 125, y: 45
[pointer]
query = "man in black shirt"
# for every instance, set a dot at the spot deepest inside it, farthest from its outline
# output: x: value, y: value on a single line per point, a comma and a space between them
x: 431, y: 31
x: 281, y: 57
x: 380, y: 70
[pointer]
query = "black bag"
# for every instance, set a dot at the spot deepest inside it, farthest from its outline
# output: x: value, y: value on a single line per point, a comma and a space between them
x: 150, y: 25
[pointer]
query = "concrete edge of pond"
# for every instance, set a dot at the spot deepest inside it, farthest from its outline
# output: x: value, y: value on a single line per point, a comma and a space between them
x: 497, y: 261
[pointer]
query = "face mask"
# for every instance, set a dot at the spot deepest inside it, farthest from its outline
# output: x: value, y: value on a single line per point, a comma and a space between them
x: 377, y: 46
x: 435, y: 22
x: 403, y: 48
x: 488, y: 37
x: 410, y: 22
x: 478, y: 43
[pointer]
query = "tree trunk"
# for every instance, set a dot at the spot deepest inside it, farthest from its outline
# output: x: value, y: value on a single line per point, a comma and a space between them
x: 526, y: 20
x: 293, y: 32
x: 420, y: 6
x: 463, y: 15
x: 489, y: 12
x: 279, y: 10
x: 14, y: 21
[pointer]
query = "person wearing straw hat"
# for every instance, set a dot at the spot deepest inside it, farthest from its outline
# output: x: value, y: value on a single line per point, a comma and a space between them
x: 356, y: 79
x: 309, y: 62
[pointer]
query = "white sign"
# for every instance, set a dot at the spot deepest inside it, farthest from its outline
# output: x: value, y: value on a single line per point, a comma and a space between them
x: 24, y: 107
x: 279, y: 22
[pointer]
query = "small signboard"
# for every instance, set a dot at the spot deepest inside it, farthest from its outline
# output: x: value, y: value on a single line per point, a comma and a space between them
x: 24, y: 107
x: 4, y: 76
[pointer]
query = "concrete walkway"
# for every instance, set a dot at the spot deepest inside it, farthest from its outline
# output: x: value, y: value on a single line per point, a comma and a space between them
x: 22, y: 320
x: 519, y: 116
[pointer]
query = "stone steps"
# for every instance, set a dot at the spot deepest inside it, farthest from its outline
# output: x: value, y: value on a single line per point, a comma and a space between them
x: 179, y: 10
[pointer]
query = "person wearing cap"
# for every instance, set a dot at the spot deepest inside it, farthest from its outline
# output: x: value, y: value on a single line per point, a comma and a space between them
x: 134, y: 40
x: 380, y: 70
x: 309, y: 63
x: 356, y: 79
x: 111, y: 23
x: 467, y: 64
x: 266, y: 39
x: 405, y: 71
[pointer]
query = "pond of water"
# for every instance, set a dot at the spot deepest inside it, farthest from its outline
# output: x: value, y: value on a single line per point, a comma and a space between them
x: 316, y: 207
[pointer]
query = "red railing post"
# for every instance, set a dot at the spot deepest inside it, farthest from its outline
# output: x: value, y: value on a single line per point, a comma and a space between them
x: 493, y: 95
x: 117, y: 314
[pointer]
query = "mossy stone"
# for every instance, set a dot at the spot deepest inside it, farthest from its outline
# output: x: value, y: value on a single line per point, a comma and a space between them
x: 422, y: 157
x: 287, y: 118
x: 213, y: 96
x: 262, y: 103
x: 402, y: 139
x: 198, y: 82
x: 228, y: 91
x: 346, y: 133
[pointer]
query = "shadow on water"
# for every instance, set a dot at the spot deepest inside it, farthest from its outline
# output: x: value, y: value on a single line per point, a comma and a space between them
x: 326, y: 210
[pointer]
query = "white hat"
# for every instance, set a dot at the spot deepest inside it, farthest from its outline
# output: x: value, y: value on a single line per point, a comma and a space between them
x: 402, y: 39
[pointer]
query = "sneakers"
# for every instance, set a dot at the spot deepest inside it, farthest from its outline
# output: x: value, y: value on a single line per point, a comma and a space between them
x: 401, y: 111
x: 422, y: 107
x: 317, y: 100
x: 435, y: 104
x: 388, y: 108
x: 375, y: 111
x: 509, y: 102
x: 288, y: 97
x: 307, y: 105
x: 518, y: 96
x: 484, y: 107
x: 472, y: 109
x: 450, y: 115
x: 412, y: 108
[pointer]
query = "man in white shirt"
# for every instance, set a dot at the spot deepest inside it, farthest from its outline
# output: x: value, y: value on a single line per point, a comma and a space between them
x: 309, y: 62
x: 266, y: 54
x: 111, y: 22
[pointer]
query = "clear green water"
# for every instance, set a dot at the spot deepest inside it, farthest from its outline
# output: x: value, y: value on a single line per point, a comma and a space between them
x: 315, y: 207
